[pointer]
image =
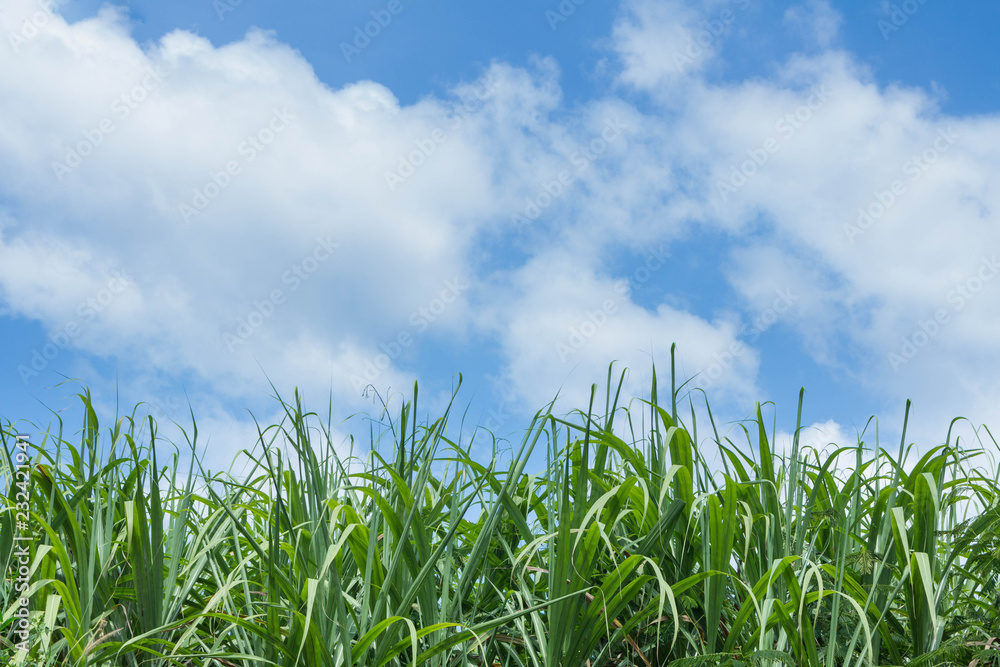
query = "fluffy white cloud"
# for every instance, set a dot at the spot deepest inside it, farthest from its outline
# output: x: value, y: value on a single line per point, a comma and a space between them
x: 658, y: 43
x: 561, y: 324
x: 869, y: 200
x: 818, y: 442
x: 240, y: 194
x: 816, y: 20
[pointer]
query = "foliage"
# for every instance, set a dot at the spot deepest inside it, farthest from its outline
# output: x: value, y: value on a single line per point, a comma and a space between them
x: 611, y: 538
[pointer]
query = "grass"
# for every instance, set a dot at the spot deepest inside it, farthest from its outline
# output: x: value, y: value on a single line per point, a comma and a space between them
x: 626, y: 540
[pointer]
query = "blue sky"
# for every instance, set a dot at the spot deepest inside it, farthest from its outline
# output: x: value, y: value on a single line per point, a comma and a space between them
x: 266, y: 195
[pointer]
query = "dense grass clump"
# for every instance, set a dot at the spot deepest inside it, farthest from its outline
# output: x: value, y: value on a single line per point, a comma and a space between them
x: 611, y: 536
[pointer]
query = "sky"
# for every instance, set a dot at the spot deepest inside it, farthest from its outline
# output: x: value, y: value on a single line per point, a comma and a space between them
x: 202, y: 203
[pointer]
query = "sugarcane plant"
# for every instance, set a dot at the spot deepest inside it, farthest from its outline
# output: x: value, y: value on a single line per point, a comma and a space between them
x: 611, y: 535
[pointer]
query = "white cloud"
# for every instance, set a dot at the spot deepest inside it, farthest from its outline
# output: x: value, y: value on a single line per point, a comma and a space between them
x: 561, y: 324
x: 668, y: 43
x: 816, y: 20
x: 789, y: 161
x: 821, y: 439
x: 307, y: 169
x: 656, y: 42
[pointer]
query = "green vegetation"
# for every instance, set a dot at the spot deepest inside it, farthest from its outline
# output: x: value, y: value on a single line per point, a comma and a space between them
x: 624, y: 540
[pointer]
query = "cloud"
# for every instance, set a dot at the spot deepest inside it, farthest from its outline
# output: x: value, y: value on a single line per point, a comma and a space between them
x: 560, y: 324
x: 656, y: 43
x: 816, y: 21
x: 868, y: 198
x: 818, y: 442
x: 234, y: 188
x: 885, y: 197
